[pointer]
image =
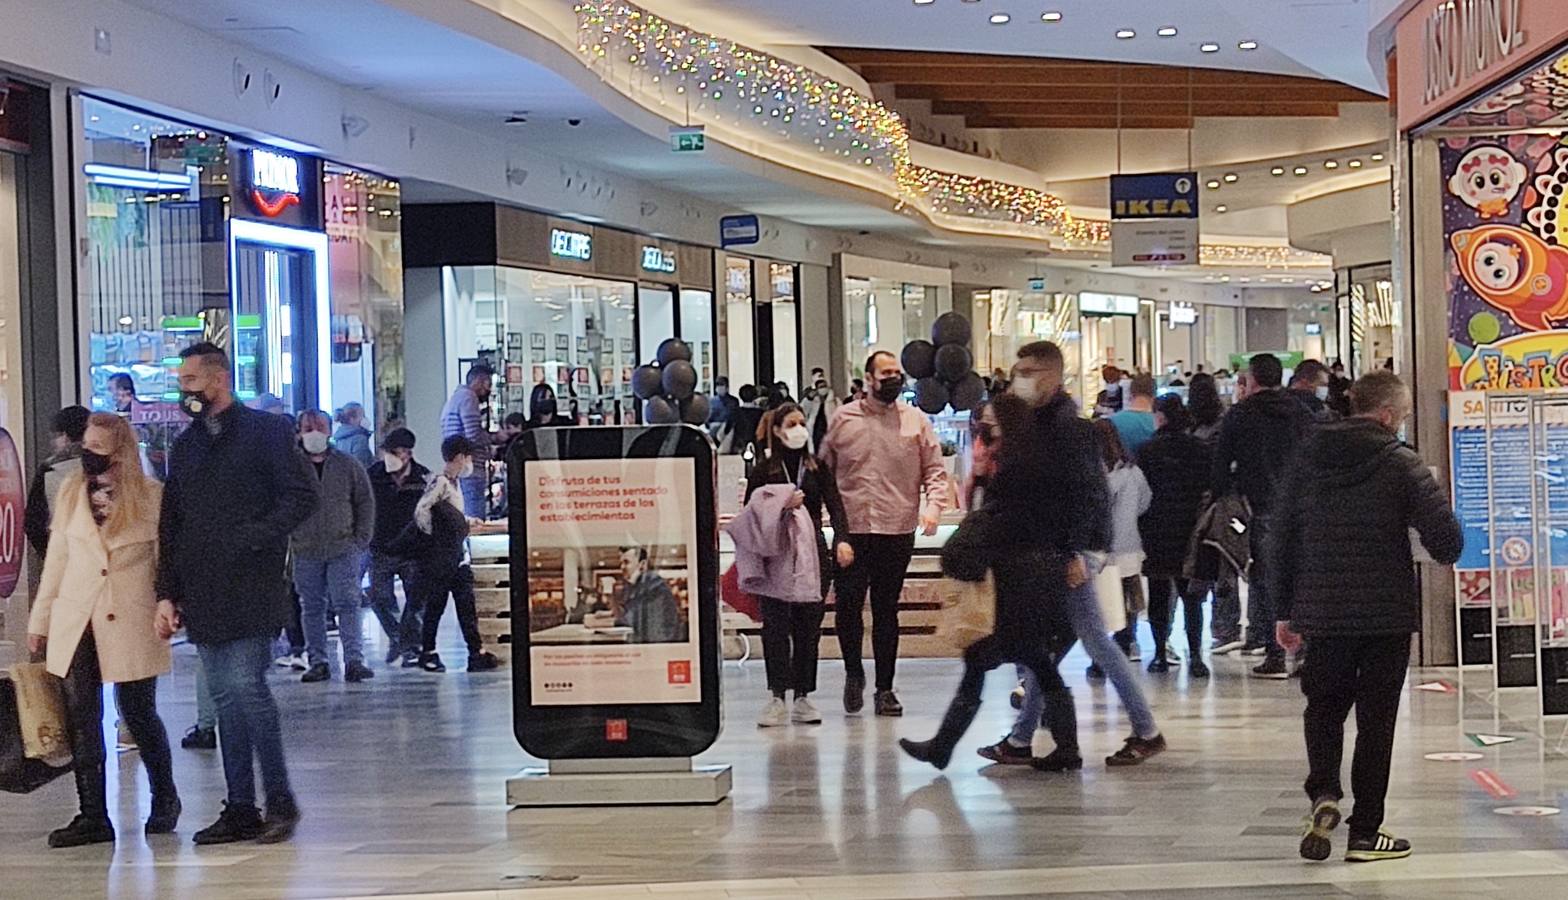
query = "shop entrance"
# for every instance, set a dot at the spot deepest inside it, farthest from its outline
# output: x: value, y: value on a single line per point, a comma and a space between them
x: 278, y: 292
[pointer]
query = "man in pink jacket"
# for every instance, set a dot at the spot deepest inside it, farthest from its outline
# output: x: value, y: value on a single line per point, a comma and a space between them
x: 884, y: 452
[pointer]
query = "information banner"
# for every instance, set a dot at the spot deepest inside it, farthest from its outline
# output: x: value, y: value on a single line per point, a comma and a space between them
x: 1512, y: 537
x: 611, y: 576
x: 1468, y: 487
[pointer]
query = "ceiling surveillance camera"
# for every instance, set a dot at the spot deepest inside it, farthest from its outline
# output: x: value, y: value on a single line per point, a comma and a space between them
x: 574, y: 122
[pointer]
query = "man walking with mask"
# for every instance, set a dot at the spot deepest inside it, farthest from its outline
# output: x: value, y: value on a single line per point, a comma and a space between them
x: 884, y: 453
x: 238, y: 486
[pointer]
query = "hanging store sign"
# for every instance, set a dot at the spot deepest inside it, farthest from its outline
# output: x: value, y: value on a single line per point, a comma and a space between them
x: 1154, y: 219
x: 657, y: 259
x: 282, y: 188
x: 1183, y: 314
x: 1092, y: 304
x: 571, y: 244
x: 1156, y: 242
x: 1164, y: 195
x: 736, y: 231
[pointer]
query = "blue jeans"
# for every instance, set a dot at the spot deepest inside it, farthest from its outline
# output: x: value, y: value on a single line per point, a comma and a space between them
x: 476, y: 499
x: 403, y: 630
x: 1083, y: 611
x: 249, y: 732
x: 206, y: 710
x: 333, y: 584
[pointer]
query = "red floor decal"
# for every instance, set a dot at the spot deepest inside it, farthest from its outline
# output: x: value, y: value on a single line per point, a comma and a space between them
x: 1492, y: 783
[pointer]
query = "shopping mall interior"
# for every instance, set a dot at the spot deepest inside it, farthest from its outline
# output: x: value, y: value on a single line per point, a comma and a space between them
x: 664, y: 271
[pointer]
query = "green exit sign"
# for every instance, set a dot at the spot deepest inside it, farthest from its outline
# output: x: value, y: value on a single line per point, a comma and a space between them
x: 688, y: 139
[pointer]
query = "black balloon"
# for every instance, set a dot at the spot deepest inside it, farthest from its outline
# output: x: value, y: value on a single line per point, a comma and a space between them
x: 919, y: 359
x: 695, y: 410
x: 931, y: 395
x: 950, y: 328
x: 659, y: 411
x: 967, y: 393
x: 671, y: 350
x: 680, y: 379
x: 953, y: 362
x: 647, y: 382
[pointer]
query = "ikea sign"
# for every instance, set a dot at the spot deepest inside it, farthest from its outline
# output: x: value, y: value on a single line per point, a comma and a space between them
x: 1165, y: 195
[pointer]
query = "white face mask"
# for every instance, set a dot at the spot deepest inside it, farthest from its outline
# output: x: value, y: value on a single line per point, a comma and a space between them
x: 314, y: 442
x: 392, y: 461
x: 795, y: 437
x: 1027, y: 387
x: 1322, y: 392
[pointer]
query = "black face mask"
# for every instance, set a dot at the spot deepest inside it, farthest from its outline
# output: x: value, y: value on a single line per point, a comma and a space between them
x: 194, y: 403
x: 888, y: 389
x: 96, y: 464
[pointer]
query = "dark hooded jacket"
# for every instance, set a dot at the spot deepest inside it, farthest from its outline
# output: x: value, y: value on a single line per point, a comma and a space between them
x: 1339, y: 543
x: 1177, y: 465
x: 1257, y: 438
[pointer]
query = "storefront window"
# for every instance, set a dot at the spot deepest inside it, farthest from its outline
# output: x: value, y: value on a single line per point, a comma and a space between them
x: 1367, y: 316
x: 574, y: 334
x: 737, y: 326
x: 656, y: 310
x: 697, y: 331
x: 10, y: 304
x: 364, y: 223
x: 1221, y: 336
x: 786, y: 347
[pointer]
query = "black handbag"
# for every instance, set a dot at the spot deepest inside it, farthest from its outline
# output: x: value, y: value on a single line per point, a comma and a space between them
x: 19, y: 774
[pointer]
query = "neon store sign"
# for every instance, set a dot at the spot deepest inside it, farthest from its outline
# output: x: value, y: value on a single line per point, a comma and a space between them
x: 656, y: 259
x: 274, y: 181
x: 571, y: 244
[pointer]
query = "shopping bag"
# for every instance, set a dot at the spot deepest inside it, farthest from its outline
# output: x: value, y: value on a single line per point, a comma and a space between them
x: 738, y: 600
x: 40, y: 712
x: 968, y: 610
x: 1108, y: 594
x: 19, y: 773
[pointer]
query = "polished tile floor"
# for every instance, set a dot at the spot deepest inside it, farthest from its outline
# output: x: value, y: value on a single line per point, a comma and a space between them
x: 401, y: 779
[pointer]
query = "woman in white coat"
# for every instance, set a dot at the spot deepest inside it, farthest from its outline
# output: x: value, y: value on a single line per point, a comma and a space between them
x: 98, y: 620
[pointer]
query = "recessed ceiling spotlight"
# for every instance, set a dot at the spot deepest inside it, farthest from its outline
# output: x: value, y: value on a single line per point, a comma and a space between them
x: 1123, y: 34
x: 1221, y: 208
x: 1000, y: 18
x: 1167, y: 31
x: 1300, y: 170
x: 1225, y: 278
x: 1209, y: 47
x: 1247, y: 45
x: 1246, y: 281
x: 1052, y: 16
x: 1287, y: 280
x: 1330, y: 163
x: 1212, y: 184
x: 1354, y: 164
x: 924, y: 2
x: 1231, y: 177
x: 1277, y: 171
x: 1377, y: 157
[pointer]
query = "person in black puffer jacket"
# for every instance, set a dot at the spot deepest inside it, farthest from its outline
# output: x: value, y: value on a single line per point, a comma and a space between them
x: 1341, y: 571
x: 1176, y: 465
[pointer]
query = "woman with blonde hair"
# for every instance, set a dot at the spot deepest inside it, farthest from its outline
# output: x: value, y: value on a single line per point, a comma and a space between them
x: 98, y: 620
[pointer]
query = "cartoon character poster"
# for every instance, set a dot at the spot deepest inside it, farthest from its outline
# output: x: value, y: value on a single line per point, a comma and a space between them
x: 1503, y: 210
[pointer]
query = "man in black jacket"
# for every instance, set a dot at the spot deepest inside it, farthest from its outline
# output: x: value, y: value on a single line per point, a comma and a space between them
x: 397, y: 481
x: 1256, y: 441
x: 1342, y: 575
x: 237, y: 487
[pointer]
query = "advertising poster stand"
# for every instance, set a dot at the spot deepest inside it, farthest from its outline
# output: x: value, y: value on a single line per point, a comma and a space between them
x: 615, y: 616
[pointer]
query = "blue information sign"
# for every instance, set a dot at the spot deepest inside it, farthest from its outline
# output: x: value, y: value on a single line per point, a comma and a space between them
x: 1164, y: 195
x: 735, y: 231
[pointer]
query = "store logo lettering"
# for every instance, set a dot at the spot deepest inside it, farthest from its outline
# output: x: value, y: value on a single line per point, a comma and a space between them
x: 655, y: 259
x: 1134, y: 209
x: 571, y: 244
x: 1465, y: 38
x: 274, y: 182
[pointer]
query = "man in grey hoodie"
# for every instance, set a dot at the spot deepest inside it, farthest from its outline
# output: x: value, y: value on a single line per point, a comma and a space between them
x: 328, y: 548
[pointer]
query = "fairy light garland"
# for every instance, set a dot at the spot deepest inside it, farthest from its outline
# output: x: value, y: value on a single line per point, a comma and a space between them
x: 713, y: 77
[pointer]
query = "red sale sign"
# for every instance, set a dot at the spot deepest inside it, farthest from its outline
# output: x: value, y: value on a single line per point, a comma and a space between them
x: 12, y: 503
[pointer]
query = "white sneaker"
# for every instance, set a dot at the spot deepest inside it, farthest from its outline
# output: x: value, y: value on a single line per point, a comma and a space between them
x: 774, y: 714
x: 299, y: 662
x: 284, y: 661
x: 1170, y: 653
x: 1135, y: 654
x: 805, y: 713
x: 1222, y: 648
x: 124, y: 742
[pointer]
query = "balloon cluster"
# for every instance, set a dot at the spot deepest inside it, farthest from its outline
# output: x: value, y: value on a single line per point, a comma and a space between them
x: 667, y: 387
x: 943, y: 367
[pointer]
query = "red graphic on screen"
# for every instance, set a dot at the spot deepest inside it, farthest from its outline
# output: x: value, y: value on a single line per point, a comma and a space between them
x: 679, y: 671
x: 615, y: 730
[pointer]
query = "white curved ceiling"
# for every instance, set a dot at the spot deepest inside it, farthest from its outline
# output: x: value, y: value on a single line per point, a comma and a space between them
x: 1325, y: 38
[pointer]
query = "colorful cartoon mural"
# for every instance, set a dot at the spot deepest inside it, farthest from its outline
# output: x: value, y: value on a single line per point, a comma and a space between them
x: 1507, y: 261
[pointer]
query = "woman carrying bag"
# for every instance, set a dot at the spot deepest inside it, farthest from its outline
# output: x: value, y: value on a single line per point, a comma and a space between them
x: 98, y: 619
x: 792, y: 626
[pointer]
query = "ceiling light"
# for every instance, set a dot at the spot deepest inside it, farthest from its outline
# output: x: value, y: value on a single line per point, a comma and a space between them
x: 1212, y: 184
x: 1221, y: 208
x: 1167, y: 31
x: 1330, y: 163
x: 1247, y: 45
x: 1288, y: 280
x: 1051, y: 17
x: 1209, y: 48
x: 1000, y: 18
x: 1277, y: 171
x: 1300, y: 170
x: 1246, y: 281
x: 1123, y: 34
x: 1225, y: 278
x: 1231, y: 177
x: 924, y: 2
x: 1377, y: 157
x: 1354, y: 164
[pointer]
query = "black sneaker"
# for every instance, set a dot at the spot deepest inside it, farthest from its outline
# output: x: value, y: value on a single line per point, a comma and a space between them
x: 1006, y: 753
x: 357, y: 671
x: 199, y: 738
x: 431, y: 662
x: 886, y: 704
x: 1159, y: 665
x: 1272, y: 669
x: 165, y: 815
x: 317, y: 672
x: 483, y: 661
x: 1197, y: 669
x: 1316, y: 840
x: 235, y: 824
x: 1058, y: 760
x: 83, y: 831
x: 854, y: 693
x: 1136, y: 750
x: 927, y: 752
x: 282, y: 818
x: 410, y: 659
x: 1380, y: 846
x: 1094, y: 672
x: 394, y: 652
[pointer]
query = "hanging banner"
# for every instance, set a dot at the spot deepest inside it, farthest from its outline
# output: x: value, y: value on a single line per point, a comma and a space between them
x: 1154, y: 219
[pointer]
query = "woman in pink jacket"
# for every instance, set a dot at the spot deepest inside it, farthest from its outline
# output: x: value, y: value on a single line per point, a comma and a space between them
x: 791, y: 631
x: 99, y: 621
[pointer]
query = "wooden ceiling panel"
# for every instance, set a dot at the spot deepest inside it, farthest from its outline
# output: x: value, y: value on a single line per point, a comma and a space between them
x: 1030, y: 92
